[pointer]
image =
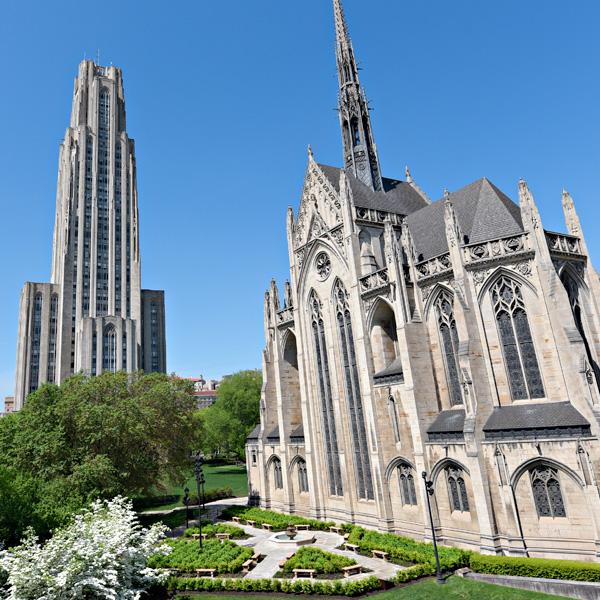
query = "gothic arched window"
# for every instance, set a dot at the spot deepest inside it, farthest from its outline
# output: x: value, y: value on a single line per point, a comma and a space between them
x: 449, y: 340
x: 393, y: 413
x: 515, y: 337
x: 327, y: 412
x: 355, y: 131
x: 457, y: 489
x: 546, y: 490
x: 302, y: 476
x: 572, y: 289
x: 277, y: 474
x: 52, y: 338
x: 109, y: 350
x: 407, y: 484
x: 350, y: 372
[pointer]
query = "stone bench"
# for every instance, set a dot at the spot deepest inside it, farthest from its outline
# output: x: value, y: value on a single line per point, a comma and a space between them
x: 206, y: 573
x: 267, y: 526
x: 351, y: 547
x: 249, y: 564
x: 282, y: 563
x: 236, y: 520
x: 308, y: 573
x: 380, y: 554
x: 196, y: 536
x: 257, y: 557
x: 251, y: 523
x: 351, y: 570
x: 223, y: 536
x: 334, y: 529
x: 302, y: 527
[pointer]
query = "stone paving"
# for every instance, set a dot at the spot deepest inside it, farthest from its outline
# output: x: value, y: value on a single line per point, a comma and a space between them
x: 275, y: 553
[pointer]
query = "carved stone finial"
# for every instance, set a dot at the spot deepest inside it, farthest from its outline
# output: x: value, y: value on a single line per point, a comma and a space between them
x: 446, y: 195
x: 408, y: 176
x: 310, y: 152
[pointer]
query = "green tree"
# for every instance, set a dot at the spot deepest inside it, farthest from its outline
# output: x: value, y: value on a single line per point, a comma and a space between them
x: 233, y: 416
x: 95, y: 438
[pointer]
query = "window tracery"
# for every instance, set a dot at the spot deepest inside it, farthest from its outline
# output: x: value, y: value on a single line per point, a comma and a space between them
x: 457, y: 489
x: 302, y: 476
x: 109, y: 350
x: 547, y: 493
x: 277, y: 474
x: 449, y: 338
x: 324, y: 383
x: 353, y: 394
x: 407, y: 484
x: 515, y: 337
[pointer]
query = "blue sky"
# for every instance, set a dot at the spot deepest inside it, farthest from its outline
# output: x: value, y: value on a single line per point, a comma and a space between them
x: 223, y: 99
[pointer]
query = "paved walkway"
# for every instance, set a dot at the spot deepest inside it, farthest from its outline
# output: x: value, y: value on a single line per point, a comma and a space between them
x: 275, y: 553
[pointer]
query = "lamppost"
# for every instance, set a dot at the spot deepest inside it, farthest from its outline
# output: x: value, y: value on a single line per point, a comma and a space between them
x: 186, y: 501
x: 430, y: 492
x: 199, y: 473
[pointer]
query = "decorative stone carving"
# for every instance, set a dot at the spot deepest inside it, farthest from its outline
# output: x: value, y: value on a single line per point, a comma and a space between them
x: 323, y: 265
x: 433, y: 267
x: 559, y: 243
x: 374, y: 281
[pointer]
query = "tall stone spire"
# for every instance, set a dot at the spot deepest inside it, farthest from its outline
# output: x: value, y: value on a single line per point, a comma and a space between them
x: 360, y: 151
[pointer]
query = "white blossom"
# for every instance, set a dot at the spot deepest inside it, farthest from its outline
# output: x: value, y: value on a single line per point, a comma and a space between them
x: 102, y: 554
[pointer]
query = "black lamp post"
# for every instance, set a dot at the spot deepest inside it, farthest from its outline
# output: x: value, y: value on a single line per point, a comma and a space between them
x: 186, y: 501
x: 429, y: 489
x: 199, y: 474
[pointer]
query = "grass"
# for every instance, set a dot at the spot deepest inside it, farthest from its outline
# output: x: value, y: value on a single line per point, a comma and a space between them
x: 455, y: 588
x: 216, y: 476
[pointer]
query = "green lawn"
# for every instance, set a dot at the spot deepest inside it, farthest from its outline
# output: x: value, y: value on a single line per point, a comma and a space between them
x: 216, y: 476
x: 455, y: 588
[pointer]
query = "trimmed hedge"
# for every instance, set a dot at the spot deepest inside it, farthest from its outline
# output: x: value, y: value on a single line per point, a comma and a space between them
x: 405, y: 550
x: 317, y: 559
x: 285, y: 586
x: 211, y: 529
x: 143, y: 502
x: 186, y: 556
x: 535, y: 567
x: 277, y: 520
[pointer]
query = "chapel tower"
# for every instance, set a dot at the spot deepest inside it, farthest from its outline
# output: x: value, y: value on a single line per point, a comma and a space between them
x: 93, y: 316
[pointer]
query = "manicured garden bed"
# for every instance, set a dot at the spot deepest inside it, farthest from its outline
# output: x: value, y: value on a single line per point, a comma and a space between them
x: 210, y: 529
x: 277, y: 520
x: 186, y: 556
x: 325, y: 564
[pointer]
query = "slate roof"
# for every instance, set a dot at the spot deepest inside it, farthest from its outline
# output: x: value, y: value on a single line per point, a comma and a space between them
x: 393, y: 369
x: 253, y: 435
x: 547, y: 415
x: 274, y: 435
x: 483, y: 212
x: 297, y: 434
x: 399, y: 197
x: 448, y: 421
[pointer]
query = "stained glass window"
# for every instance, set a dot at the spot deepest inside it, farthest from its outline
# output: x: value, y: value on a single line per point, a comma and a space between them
x: 449, y: 339
x: 302, y: 476
x: 327, y: 412
x: 109, y: 350
x: 546, y: 490
x: 407, y: 484
x: 524, y: 375
x: 278, y: 477
x: 358, y: 427
x: 457, y: 489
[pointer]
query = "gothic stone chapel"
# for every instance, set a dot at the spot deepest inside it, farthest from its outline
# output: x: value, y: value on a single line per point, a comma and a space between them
x: 456, y: 337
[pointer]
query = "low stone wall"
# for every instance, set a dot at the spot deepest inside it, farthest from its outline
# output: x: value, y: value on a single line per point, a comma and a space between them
x: 571, y: 589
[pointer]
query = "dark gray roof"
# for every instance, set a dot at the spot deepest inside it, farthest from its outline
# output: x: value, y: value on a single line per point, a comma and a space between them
x: 448, y: 421
x: 399, y: 197
x: 253, y: 435
x: 547, y: 415
x: 483, y: 212
x: 274, y: 435
x: 394, y: 368
x: 298, y: 433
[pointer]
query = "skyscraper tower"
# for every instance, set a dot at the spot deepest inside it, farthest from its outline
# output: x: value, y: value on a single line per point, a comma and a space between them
x: 93, y: 316
x: 360, y: 151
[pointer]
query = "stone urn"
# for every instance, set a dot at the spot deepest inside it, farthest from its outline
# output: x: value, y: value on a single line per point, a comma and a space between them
x: 291, y: 531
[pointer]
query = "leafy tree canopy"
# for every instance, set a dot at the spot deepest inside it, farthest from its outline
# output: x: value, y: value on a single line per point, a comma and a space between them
x: 94, y: 438
x: 232, y: 417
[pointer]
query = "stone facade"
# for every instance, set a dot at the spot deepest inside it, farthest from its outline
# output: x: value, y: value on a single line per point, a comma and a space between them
x: 93, y: 316
x: 457, y: 338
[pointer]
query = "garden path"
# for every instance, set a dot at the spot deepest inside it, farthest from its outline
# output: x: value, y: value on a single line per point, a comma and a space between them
x: 275, y: 553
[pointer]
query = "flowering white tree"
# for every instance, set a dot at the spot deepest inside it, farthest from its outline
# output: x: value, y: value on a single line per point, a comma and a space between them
x: 102, y: 554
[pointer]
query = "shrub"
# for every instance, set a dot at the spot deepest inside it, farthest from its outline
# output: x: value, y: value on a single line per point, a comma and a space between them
x: 186, y: 556
x: 286, y: 586
x: 414, y: 572
x: 211, y: 529
x: 140, y: 503
x: 319, y: 560
x: 405, y: 550
x: 277, y: 520
x: 535, y: 567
